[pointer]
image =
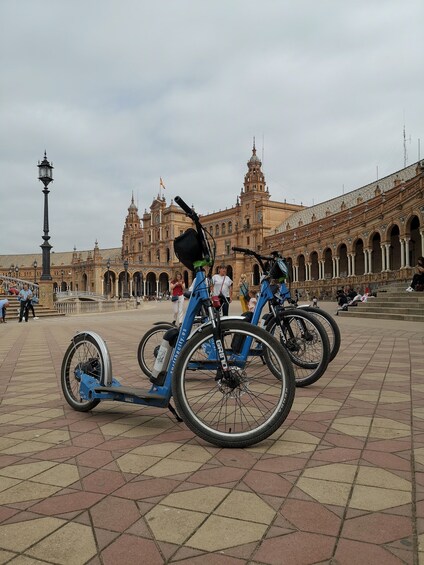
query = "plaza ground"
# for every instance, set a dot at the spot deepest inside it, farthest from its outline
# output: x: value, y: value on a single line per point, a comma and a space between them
x: 341, y: 482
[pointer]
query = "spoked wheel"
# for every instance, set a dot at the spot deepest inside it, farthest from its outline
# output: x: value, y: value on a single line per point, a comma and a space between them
x: 330, y: 326
x: 149, y: 346
x: 238, y: 407
x: 86, y: 355
x: 305, y: 341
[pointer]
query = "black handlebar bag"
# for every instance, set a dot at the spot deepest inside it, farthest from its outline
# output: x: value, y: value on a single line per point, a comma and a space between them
x: 188, y: 248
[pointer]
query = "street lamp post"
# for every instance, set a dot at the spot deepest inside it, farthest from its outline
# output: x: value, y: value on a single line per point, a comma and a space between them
x: 126, y: 293
x: 16, y: 271
x: 108, y: 279
x: 35, y: 265
x: 45, y: 174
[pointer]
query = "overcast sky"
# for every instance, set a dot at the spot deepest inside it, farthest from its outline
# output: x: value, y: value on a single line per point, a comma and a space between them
x: 120, y: 93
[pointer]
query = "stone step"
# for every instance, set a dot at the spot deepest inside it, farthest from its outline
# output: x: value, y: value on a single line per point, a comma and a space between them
x: 382, y: 315
x: 404, y: 297
x: 40, y: 310
x: 391, y: 309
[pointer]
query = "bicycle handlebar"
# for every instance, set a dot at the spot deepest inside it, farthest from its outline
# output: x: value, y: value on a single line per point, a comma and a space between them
x: 200, y: 230
x: 260, y: 258
x: 189, y: 211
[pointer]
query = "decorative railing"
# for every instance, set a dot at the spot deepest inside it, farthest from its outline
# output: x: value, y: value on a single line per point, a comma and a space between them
x: 67, y: 294
x: 6, y: 283
x: 93, y: 307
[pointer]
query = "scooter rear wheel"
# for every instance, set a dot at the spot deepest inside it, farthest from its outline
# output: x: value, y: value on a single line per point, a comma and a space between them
x: 83, y: 354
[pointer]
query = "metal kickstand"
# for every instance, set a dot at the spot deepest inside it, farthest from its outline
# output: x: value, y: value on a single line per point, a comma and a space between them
x: 174, y: 412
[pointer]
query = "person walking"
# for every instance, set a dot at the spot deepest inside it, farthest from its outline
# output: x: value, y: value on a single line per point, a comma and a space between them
x: 177, y: 287
x: 221, y: 286
x: 244, y: 292
x: 3, y: 307
x: 25, y: 297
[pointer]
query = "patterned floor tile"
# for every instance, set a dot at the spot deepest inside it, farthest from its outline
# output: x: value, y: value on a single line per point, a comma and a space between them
x: 337, y: 482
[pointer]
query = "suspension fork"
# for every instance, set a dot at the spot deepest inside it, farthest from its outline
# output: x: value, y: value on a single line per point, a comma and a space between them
x: 215, y: 319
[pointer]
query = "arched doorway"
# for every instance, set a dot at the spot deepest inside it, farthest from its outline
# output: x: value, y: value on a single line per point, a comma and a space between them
x: 84, y: 282
x: 302, y: 268
x: 359, y: 257
x: 314, y: 266
x: 394, y: 250
x: 151, y: 284
x: 328, y: 263
x: 343, y: 269
x: 376, y: 253
x: 124, y: 284
x: 163, y: 284
x: 138, y: 284
x: 415, y: 247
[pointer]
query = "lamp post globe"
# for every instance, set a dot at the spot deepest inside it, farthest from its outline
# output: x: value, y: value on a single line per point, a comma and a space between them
x: 45, y: 175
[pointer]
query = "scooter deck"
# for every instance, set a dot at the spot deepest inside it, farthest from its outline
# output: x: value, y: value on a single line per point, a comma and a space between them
x: 143, y: 393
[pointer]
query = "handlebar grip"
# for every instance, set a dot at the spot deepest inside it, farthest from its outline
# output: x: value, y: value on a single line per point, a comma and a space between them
x: 241, y: 250
x: 184, y: 206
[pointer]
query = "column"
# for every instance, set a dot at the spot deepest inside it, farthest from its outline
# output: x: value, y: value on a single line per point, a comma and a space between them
x: 369, y: 261
x: 295, y: 273
x: 402, y: 253
x: 388, y: 266
x: 131, y: 286
x: 383, y: 257
x: 349, y: 271
x: 157, y: 288
x: 407, y: 240
x: 334, y: 261
x: 117, y: 286
x: 144, y: 287
x: 338, y: 267
x: 353, y: 264
x: 308, y: 271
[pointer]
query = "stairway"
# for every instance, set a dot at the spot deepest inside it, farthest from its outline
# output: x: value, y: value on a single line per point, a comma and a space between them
x: 40, y: 310
x: 392, y: 303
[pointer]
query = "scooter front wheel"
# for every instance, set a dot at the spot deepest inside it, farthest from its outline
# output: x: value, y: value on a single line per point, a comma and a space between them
x: 85, y: 354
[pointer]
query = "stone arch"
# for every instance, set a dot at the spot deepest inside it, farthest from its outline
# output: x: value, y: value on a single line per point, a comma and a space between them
x: 358, y: 257
x: 415, y: 242
x: 343, y: 265
x: 301, y: 263
x: 394, y: 249
x: 138, y: 284
x: 314, y: 265
x: 124, y: 284
x: 151, y: 284
x: 375, y: 244
x: 163, y: 283
x: 328, y: 263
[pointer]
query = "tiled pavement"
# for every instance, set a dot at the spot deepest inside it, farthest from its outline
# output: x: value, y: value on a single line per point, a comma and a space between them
x: 342, y: 481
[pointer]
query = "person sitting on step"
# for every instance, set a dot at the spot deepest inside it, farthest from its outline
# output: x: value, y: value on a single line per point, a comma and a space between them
x: 417, y: 283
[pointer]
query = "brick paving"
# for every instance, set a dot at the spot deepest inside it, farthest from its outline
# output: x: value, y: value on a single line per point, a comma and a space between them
x: 341, y: 482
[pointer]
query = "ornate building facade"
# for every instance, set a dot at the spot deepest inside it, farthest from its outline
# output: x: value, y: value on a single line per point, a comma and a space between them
x: 367, y: 237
